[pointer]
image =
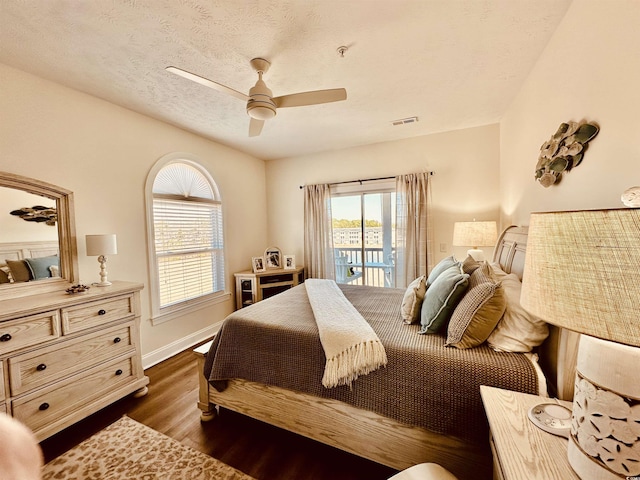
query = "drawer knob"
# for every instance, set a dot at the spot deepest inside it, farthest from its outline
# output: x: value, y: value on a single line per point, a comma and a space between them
x: 41, y: 367
x: 117, y: 340
x: 118, y: 372
x: 101, y: 312
x: 5, y: 338
x: 44, y: 406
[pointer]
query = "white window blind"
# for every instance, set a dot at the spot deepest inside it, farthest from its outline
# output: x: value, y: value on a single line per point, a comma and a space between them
x: 189, y: 248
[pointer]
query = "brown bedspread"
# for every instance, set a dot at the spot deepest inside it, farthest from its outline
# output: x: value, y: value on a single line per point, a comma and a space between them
x: 426, y: 384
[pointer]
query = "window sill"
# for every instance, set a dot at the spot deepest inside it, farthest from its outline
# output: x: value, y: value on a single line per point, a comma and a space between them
x: 178, y: 311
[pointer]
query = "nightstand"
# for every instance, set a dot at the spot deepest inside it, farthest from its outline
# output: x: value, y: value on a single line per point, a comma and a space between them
x: 253, y: 287
x: 520, y: 449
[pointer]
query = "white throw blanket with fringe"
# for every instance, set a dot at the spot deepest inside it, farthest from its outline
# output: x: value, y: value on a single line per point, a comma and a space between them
x: 351, y: 346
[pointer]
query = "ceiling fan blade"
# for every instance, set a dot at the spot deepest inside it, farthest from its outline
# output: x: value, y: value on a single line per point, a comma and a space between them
x: 311, y: 98
x: 255, y: 127
x: 207, y: 83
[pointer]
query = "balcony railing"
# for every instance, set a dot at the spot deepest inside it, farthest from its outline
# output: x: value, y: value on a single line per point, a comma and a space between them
x: 376, y: 271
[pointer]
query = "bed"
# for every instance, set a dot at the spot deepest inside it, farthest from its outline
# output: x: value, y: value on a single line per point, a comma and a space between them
x: 27, y: 261
x: 423, y: 406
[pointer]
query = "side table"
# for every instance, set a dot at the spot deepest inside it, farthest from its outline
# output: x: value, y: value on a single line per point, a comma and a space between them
x: 520, y: 449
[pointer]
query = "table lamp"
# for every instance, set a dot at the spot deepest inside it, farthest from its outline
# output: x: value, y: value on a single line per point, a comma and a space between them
x: 475, y: 234
x: 101, y: 246
x: 581, y: 273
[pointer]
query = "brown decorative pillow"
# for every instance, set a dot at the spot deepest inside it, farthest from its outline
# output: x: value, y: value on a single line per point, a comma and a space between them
x: 479, y: 311
x: 19, y: 270
x: 470, y: 264
x: 4, y: 276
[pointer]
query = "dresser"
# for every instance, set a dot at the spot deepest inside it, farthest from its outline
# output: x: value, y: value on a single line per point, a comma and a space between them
x: 65, y: 356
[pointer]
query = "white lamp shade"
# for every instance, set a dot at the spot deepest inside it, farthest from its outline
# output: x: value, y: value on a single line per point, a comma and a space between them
x: 101, y: 245
x: 475, y: 234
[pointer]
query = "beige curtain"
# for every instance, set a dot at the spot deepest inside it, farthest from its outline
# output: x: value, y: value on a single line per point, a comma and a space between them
x: 414, y: 252
x: 318, y: 234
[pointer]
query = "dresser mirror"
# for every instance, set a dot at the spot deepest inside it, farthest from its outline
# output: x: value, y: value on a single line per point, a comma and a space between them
x: 37, y: 237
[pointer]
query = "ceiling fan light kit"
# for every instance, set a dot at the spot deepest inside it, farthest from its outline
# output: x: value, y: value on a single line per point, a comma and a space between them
x: 261, y: 105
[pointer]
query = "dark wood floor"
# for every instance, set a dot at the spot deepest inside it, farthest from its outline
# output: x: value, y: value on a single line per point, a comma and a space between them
x: 258, y: 449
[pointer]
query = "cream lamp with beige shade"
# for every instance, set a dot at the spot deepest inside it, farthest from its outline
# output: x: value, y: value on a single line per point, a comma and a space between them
x: 475, y: 234
x: 101, y: 246
x: 582, y: 273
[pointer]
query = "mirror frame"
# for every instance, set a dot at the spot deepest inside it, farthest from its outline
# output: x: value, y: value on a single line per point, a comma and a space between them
x: 66, y: 237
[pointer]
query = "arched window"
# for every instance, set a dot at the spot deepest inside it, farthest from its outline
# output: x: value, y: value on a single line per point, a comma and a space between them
x: 184, y: 212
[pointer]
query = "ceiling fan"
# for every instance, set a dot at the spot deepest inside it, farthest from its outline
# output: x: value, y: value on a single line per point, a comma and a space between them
x: 261, y: 105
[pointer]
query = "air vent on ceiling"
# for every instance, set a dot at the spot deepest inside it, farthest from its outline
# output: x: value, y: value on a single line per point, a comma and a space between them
x: 404, y: 121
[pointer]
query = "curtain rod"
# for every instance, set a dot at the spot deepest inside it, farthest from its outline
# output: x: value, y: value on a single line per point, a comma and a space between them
x: 364, y: 180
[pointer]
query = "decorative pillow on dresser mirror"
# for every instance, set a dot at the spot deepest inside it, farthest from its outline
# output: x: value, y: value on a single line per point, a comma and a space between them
x: 40, y: 267
x: 479, y: 311
x: 19, y: 270
x: 4, y: 275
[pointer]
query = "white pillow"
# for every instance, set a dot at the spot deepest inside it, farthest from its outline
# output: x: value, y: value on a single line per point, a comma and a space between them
x: 412, y: 300
x: 518, y: 330
x: 55, y: 270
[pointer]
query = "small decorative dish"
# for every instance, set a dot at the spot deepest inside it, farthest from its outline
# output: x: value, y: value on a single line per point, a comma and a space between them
x: 77, y: 289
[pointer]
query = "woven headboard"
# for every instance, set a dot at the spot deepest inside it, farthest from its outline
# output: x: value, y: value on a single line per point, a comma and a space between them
x: 558, y: 352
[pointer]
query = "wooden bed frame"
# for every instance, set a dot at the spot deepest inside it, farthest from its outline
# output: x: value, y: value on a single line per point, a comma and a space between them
x: 374, y: 436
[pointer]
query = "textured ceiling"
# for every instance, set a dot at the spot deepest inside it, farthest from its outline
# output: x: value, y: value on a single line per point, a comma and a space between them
x: 452, y: 63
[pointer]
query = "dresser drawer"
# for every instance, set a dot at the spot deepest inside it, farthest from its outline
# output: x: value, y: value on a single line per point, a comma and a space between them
x: 28, y: 331
x: 93, y: 314
x: 40, y: 408
x: 36, y: 368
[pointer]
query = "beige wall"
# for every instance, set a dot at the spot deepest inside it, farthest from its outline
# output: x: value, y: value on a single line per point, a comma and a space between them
x: 13, y: 228
x: 465, y: 185
x: 589, y: 71
x: 103, y: 154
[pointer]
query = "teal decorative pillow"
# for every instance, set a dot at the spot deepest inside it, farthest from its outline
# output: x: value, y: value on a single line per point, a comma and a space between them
x: 40, y: 267
x: 442, y: 266
x: 441, y: 299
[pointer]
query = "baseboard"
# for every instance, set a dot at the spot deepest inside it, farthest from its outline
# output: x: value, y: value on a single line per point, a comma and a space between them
x: 152, y: 358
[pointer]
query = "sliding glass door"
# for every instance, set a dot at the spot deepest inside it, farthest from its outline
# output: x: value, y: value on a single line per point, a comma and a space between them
x: 364, y: 238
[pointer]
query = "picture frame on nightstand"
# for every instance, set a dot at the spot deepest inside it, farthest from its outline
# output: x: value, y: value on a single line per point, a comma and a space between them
x: 257, y: 264
x: 272, y: 258
x: 289, y: 262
